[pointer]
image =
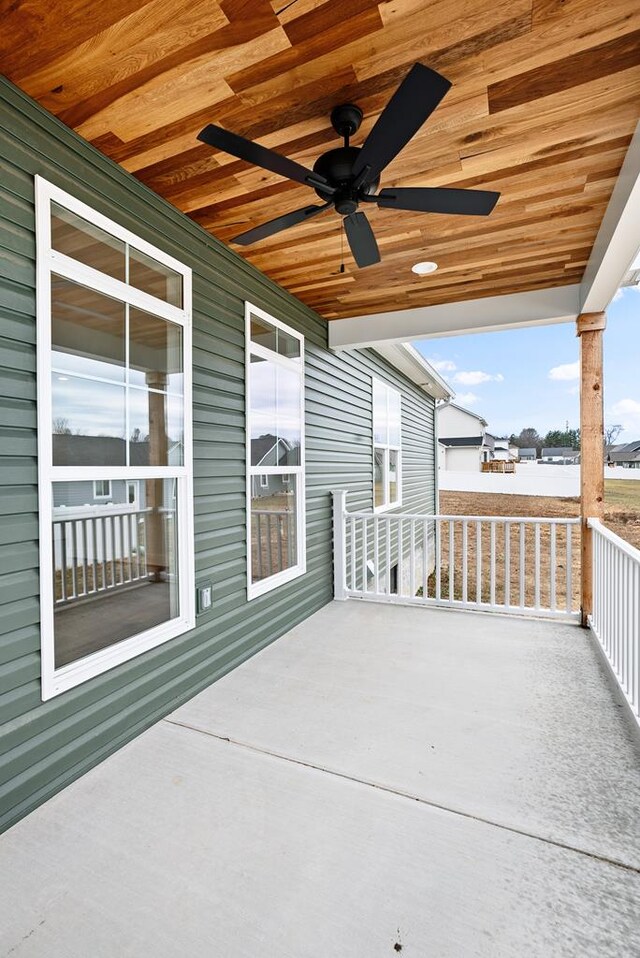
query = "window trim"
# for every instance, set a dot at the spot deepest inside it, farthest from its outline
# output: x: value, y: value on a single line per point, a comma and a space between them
x: 255, y: 589
x: 108, y: 495
x: 55, y: 681
x: 386, y: 447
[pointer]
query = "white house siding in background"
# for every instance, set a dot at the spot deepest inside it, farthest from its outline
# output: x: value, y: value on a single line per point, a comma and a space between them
x: 462, y: 459
x: 454, y: 422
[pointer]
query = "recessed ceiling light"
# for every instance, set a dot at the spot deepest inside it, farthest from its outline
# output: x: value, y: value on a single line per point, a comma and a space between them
x: 423, y: 268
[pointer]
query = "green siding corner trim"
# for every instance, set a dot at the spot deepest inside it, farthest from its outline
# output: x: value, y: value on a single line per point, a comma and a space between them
x: 44, y: 746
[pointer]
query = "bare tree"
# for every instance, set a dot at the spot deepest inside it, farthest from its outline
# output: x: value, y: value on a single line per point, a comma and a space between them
x: 61, y: 426
x: 611, y: 433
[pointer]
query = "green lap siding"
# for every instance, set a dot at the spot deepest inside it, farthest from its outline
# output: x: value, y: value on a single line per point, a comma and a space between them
x: 44, y: 746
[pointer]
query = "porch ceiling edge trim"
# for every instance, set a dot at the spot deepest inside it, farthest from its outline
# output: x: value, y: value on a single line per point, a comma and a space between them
x: 618, y: 239
x: 416, y: 368
x: 541, y: 307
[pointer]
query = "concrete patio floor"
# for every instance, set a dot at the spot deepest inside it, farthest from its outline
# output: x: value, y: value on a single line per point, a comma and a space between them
x: 380, y: 780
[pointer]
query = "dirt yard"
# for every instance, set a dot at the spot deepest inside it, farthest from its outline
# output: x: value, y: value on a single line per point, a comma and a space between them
x: 622, y: 506
x: 622, y: 516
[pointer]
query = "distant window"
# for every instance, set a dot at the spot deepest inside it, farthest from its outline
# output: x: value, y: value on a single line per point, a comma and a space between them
x: 387, y: 446
x: 114, y: 415
x: 275, y: 452
x: 102, y: 489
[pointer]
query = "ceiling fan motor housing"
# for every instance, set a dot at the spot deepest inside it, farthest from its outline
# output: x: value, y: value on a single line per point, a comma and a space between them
x: 337, y: 167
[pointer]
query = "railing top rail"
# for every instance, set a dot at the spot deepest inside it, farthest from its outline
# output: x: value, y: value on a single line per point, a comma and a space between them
x: 617, y: 540
x: 556, y: 520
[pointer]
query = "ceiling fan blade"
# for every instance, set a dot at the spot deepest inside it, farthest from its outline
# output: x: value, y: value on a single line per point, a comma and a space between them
x: 439, y: 200
x: 260, y: 156
x: 278, y: 224
x: 361, y: 239
x: 413, y: 102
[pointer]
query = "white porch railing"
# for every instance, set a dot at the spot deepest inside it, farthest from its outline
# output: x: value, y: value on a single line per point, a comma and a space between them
x: 615, y: 620
x: 515, y: 565
x: 97, y: 553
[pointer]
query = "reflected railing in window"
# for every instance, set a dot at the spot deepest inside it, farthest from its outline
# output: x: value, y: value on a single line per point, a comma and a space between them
x: 115, y: 570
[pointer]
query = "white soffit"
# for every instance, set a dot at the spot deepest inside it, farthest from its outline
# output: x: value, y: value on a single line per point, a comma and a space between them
x: 618, y: 239
x: 540, y: 307
x: 407, y: 360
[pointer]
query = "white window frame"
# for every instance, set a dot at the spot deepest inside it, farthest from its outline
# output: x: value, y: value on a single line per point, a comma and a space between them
x: 387, y: 448
x: 264, y: 481
x: 255, y: 589
x: 108, y: 495
x: 48, y: 262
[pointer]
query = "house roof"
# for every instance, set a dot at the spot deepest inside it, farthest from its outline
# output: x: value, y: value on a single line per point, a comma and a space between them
x: 462, y: 409
x: 629, y: 452
x: 528, y: 451
x: 474, y: 441
x: 539, y: 106
x: 563, y: 452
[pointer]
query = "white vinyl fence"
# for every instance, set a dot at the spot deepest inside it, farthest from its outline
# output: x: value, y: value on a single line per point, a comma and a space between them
x: 615, y: 620
x: 489, y: 563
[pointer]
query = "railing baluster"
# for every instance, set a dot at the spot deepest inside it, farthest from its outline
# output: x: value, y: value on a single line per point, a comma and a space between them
x: 412, y: 560
x: 63, y: 578
x: 400, y: 575
x: 353, y: 548
x: 452, y: 551
x: 388, y: 555
x: 507, y: 563
x: 569, y: 570
x: 425, y: 559
x: 537, y: 565
x: 438, y: 533
x: 552, y: 567
x: 465, y: 557
x: 523, y: 539
x: 478, y: 562
x: 492, y: 582
x: 376, y: 554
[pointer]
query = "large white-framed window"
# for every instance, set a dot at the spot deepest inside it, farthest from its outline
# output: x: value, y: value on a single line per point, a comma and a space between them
x: 275, y: 452
x: 114, y: 415
x: 387, y: 446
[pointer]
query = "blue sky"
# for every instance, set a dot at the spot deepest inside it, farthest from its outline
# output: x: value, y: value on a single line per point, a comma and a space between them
x: 529, y: 377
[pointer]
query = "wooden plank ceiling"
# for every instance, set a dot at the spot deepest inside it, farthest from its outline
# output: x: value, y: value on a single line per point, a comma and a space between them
x: 545, y: 98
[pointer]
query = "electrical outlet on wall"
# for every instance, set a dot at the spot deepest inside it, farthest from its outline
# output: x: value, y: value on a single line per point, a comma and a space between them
x: 204, y: 595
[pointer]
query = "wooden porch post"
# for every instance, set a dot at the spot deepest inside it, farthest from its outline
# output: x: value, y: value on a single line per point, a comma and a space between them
x: 590, y: 327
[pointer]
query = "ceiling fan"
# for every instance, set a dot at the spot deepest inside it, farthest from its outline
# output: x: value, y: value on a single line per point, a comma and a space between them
x: 350, y: 175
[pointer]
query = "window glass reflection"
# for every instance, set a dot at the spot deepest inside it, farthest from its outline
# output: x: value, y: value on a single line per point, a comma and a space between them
x: 156, y: 429
x: 154, y: 278
x: 87, y: 331
x: 76, y: 237
x: 378, y: 477
x: 273, y: 525
x: 88, y: 422
x: 155, y: 352
x: 115, y: 567
x: 276, y: 426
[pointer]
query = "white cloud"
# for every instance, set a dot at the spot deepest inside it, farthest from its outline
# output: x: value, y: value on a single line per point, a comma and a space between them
x: 443, y: 365
x: 627, y: 412
x: 475, y: 377
x: 573, y: 390
x: 466, y: 399
x: 568, y: 371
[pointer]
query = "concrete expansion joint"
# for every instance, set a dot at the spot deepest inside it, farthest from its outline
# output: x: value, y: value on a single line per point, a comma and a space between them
x: 399, y: 793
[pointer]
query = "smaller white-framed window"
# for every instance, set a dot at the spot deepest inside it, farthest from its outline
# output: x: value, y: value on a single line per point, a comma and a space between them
x: 275, y: 452
x: 102, y: 489
x: 387, y: 446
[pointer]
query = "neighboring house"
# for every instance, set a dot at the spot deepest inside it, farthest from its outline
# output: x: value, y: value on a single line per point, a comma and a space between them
x: 527, y: 454
x: 560, y: 455
x: 627, y: 455
x: 174, y: 525
x: 463, y: 439
x: 504, y: 451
